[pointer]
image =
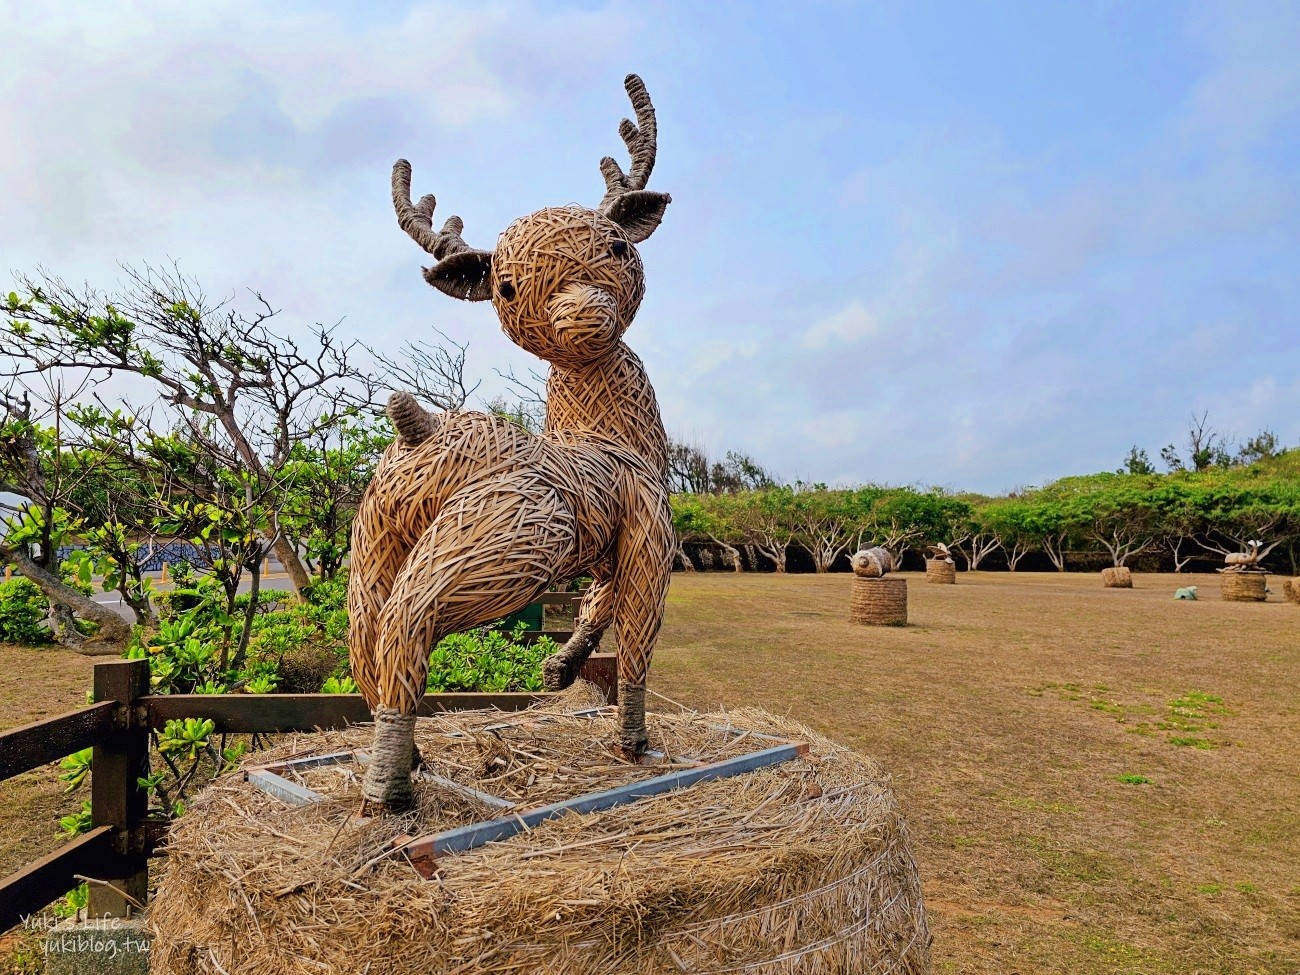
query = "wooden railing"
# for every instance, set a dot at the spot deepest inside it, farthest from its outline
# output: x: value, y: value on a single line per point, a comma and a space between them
x: 116, y: 850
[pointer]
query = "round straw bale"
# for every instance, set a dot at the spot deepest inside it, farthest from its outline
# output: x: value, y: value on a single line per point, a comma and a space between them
x: 879, y: 602
x: 800, y: 867
x: 1117, y: 577
x: 1245, y: 587
x: 941, y: 571
x: 1291, y: 590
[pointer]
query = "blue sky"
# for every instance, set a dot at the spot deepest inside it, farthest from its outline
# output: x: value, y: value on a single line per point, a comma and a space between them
x: 976, y: 245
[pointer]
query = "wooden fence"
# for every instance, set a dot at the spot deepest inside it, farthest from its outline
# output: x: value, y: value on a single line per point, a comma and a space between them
x: 116, y: 850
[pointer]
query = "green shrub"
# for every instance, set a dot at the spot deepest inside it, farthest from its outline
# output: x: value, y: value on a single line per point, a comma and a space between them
x: 488, y: 660
x: 304, y: 669
x: 22, y: 613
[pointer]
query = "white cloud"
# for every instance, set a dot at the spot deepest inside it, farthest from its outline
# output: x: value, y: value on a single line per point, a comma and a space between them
x: 852, y: 323
x: 836, y: 429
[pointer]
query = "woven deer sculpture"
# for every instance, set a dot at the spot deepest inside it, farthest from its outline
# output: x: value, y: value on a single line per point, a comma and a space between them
x: 469, y: 518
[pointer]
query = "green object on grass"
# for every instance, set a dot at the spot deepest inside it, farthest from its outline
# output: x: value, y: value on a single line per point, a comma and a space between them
x: 1188, y: 592
x: 530, y: 616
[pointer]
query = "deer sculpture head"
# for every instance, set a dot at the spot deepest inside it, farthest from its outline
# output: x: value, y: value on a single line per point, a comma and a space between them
x: 566, y: 281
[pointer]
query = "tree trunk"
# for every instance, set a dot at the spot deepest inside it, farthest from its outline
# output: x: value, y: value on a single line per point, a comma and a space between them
x: 114, y: 632
x: 255, y: 571
x: 775, y: 552
x: 731, y: 552
x: 288, y: 557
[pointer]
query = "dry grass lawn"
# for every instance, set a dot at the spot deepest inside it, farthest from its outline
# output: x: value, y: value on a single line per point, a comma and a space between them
x: 1097, y: 781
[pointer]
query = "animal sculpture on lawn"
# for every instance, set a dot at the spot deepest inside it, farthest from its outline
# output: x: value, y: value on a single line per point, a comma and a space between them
x: 1249, y: 560
x: 872, y: 563
x: 940, y: 553
x: 469, y: 518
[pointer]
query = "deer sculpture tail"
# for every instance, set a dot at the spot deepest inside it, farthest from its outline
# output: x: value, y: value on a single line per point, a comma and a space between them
x: 414, y: 424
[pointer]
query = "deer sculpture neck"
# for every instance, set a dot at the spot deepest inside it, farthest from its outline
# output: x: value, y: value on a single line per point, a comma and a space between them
x: 612, y: 398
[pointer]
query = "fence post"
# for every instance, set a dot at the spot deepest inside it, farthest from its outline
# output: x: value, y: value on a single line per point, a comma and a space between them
x: 116, y: 798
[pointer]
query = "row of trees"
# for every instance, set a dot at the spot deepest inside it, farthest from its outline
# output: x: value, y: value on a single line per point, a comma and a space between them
x: 1118, y: 517
x: 154, y: 414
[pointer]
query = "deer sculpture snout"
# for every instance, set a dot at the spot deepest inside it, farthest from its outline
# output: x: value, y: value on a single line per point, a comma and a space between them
x: 585, y: 319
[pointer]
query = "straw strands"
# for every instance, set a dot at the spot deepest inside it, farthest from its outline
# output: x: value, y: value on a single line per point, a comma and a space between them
x: 802, y: 867
x: 1117, y: 577
x: 940, y: 571
x: 1291, y: 590
x: 879, y: 602
x: 1245, y: 587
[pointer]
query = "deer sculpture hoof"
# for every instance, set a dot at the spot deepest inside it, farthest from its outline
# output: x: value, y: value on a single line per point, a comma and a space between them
x: 388, y: 774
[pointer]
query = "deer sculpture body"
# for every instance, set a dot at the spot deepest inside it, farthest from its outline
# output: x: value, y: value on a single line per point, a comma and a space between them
x: 469, y: 518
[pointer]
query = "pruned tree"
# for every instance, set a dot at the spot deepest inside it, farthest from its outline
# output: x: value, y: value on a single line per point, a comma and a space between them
x: 1206, y: 448
x: 826, y: 523
x: 265, y: 391
x: 1119, y: 518
x: 767, y: 523
x: 1137, y: 462
x: 1265, y: 445
x: 1010, y: 522
x: 36, y: 467
x: 979, y: 545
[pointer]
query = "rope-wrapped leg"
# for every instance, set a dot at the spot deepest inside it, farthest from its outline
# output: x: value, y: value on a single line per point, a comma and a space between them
x: 388, y: 776
x: 561, y: 668
x: 632, y: 739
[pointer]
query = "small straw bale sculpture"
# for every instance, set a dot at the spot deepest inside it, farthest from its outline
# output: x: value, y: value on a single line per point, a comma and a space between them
x: 469, y: 518
x: 802, y: 867
x: 878, y: 598
x: 940, y: 567
x: 1244, y: 577
x: 1117, y: 577
x: 1245, y: 587
x: 1291, y: 590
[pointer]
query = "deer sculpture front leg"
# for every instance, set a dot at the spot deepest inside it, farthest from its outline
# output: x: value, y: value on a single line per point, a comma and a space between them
x: 641, y: 590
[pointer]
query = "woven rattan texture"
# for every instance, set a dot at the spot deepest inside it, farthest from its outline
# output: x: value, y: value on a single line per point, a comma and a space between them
x: 469, y: 518
x: 940, y: 571
x: 878, y: 602
x: 1244, y: 587
x: 1117, y: 577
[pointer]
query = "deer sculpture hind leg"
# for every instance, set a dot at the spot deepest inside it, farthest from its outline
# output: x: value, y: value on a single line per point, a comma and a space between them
x: 378, y: 553
x: 492, y: 549
x: 594, y: 616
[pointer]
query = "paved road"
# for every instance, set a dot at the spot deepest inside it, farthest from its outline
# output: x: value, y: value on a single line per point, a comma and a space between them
x: 275, y: 579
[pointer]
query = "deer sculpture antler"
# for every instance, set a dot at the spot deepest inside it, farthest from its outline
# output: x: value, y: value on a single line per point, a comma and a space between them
x: 460, y: 271
x: 626, y: 201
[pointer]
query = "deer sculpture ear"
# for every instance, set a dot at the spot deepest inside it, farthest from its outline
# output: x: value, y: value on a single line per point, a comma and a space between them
x: 466, y: 275
x: 638, y: 212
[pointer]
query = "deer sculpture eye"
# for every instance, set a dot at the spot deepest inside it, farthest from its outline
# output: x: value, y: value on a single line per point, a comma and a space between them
x: 506, y: 290
x: 619, y: 247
